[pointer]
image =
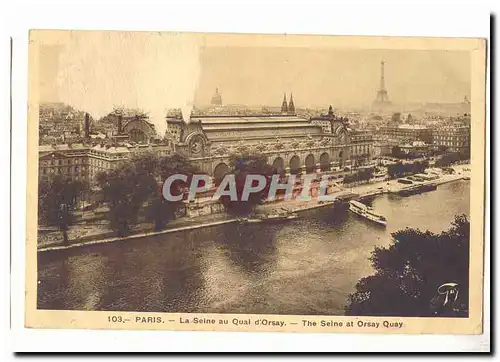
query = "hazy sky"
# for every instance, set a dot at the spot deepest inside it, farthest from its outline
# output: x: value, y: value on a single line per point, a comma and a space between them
x: 49, y: 63
x: 338, y: 77
x: 95, y: 71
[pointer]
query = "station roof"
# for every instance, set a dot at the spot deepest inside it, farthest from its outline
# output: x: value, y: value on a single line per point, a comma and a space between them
x: 275, y: 119
x: 252, y: 122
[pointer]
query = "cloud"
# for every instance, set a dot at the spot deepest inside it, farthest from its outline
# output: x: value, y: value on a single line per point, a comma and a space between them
x: 150, y: 71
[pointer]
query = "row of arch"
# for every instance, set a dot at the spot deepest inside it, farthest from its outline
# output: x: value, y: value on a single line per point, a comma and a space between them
x: 294, y: 165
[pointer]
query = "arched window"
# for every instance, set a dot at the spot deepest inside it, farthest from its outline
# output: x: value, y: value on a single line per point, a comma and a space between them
x: 295, y: 165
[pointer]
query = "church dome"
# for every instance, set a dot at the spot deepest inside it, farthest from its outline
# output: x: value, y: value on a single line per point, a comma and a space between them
x: 217, y: 99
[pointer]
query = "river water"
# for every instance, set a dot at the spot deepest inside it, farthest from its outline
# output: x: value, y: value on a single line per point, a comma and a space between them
x: 305, y: 266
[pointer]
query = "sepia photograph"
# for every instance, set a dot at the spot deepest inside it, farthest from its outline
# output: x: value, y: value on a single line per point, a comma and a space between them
x: 255, y: 182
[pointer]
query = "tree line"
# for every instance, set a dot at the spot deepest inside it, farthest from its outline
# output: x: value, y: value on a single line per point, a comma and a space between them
x: 451, y: 158
x: 134, y: 187
x: 359, y: 176
x: 400, y: 169
x: 133, y: 191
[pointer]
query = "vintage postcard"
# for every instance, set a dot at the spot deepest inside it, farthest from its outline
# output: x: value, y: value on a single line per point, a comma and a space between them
x: 190, y: 181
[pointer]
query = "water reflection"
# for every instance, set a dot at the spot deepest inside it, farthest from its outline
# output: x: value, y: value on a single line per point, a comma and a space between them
x: 304, y: 266
x: 76, y: 283
x: 251, y: 248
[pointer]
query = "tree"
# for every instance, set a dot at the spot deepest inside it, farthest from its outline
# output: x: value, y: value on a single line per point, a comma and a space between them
x: 177, y: 164
x: 138, y: 182
x: 447, y: 159
x: 146, y: 168
x: 395, y: 170
x: 243, y: 165
x: 57, y: 198
x: 465, y: 154
x: 160, y: 210
x: 122, y: 191
x: 452, y: 157
x: 396, y: 152
x: 400, y: 169
x: 359, y: 176
x: 410, y: 272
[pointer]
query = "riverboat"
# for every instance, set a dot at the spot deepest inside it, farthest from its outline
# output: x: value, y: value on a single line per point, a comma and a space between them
x: 367, y: 212
x: 252, y: 220
x: 417, y: 189
x: 405, y: 181
x: 279, y: 216
x: 274, y: 217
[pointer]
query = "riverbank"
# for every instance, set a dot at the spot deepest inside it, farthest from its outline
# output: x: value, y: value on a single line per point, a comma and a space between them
x: 296, y: 206
x: 138, y: 236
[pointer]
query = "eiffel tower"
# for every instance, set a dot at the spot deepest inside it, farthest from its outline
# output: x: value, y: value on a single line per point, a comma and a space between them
x: 382, y: 99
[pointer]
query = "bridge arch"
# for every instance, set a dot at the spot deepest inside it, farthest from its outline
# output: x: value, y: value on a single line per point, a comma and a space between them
x: 310, y: 163
x: 295, y: 165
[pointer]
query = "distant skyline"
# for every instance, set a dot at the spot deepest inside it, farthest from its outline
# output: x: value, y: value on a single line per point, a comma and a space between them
x: 96, y: 71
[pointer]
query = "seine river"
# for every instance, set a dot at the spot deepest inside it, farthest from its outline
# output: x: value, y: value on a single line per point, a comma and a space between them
x: 306, y: 266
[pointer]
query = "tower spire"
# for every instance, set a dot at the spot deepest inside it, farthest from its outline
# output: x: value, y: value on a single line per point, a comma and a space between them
x: 382, y: 98
x: 284, y: 106
x: 291, y: 106
x: 382, y: 75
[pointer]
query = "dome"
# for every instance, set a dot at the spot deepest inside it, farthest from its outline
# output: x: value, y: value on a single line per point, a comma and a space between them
x: 217, y: 99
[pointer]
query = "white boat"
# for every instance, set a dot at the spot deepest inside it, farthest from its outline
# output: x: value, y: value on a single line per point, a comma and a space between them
x: 367, y: 212
x: 271, y: 217
x: 279, y: 216
x: 252, y: 221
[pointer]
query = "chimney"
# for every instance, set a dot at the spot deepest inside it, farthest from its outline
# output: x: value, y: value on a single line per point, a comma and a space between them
x: 87, y: 126
x: 119, y: 124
